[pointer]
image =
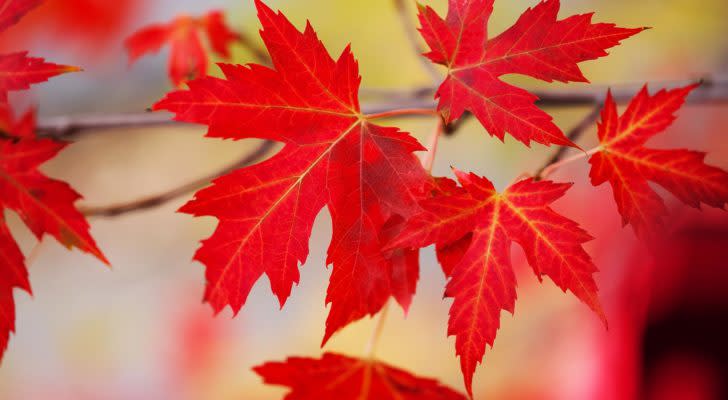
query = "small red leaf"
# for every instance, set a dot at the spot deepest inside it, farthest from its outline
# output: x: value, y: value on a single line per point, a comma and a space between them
x: 628, y: 166
x: 188, y: 59
x: 538, y: 45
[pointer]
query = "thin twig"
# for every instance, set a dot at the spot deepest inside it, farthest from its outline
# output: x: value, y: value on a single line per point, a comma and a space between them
x: 66, y: 127
x: 33, y: 253
x: 411, y: 32
x: 574, y: 134
x: 371, y: 348
x: 260, y: 55
x: 115, y: 210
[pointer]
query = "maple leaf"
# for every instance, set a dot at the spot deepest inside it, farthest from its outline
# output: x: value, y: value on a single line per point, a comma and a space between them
x: 17, y: 70
x: 366, y: 175
x: 537, y: 45
x: 335, y: 376
x: 44, y: 204
x: 627, y: 165
x: 480, y: 224
x: 188, y: 59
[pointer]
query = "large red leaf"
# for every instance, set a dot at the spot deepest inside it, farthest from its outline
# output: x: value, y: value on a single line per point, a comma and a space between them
x: 480, y: 224
x: 188, y: 59
x: 333, y: 156
x: 627, y: 165
x: 339, y: 377
x: 44, y: 204
x: 537, y: 45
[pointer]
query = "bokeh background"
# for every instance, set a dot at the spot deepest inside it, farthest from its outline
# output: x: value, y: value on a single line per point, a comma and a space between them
x: 140, y: 331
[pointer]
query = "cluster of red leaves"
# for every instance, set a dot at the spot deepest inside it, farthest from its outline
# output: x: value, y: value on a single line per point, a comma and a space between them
x: 188, y: 58
x: 384, y: 206
x: 44, y: 204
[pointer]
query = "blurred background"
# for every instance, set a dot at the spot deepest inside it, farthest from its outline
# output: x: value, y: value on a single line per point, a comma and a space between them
x: 140, y: 331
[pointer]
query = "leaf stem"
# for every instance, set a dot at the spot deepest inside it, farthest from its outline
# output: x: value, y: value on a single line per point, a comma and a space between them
x: 429, y: 158
x: 371, y: 347
x: 553, y: 167
x: 402, y: 112
x: 33, y: 253
x: 413, y: 38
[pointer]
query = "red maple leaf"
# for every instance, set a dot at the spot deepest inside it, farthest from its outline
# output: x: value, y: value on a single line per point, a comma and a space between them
x: 537, y: 45
x: 480, y: 224
x: 627, y: 165
x: 17, y: 70
x: 333, y: 155
x: 335, y: 376
x: 188, y: 59
x: 44, y: 204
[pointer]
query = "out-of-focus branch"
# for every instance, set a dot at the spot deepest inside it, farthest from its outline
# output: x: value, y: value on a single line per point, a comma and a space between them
x: 711, y: 91
x: 260, y: 55
x: 156, y: 200
x: 411, y: 31
x: 65, y: 127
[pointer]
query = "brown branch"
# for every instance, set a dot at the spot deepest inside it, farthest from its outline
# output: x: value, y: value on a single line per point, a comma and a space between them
x: 410, y: 31
x: 156, y: 200
x: 69, y: 126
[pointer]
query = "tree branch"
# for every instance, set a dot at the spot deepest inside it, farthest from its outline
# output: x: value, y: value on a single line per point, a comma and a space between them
x: 156, y: 200
x: 411, y: 32
x: 68, y: 126
x: 260, y: 55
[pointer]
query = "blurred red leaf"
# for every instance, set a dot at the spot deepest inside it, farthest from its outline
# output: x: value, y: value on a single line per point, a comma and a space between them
x: 89, y: 25
x: 17, y: 70
x: 188, y: 59
x: 339, y: 377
